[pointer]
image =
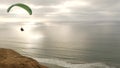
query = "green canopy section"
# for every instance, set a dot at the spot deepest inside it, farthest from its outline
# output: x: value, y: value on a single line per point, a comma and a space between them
x: 27, y: 8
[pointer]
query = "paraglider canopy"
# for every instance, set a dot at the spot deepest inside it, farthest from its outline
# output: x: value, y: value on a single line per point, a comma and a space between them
x: 27, y: 8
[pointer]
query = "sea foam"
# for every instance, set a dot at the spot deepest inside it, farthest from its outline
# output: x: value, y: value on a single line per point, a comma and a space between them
x: 70, y: 65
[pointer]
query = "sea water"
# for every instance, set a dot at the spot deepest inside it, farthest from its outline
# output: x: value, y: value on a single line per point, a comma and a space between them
x: 79, y: 44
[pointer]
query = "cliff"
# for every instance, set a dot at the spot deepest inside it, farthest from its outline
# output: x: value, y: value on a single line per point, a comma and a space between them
x: 11, y: 59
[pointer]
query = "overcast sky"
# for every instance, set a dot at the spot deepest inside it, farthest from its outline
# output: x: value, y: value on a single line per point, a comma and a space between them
x: 61, y: 10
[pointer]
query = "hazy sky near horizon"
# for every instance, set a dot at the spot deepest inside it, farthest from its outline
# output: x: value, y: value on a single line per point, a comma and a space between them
x: 61, y: 10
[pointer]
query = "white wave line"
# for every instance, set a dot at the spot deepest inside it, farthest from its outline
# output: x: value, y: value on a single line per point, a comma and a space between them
x: 69, y: 65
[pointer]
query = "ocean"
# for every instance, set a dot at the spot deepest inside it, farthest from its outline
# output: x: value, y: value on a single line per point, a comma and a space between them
x: 66, y: 44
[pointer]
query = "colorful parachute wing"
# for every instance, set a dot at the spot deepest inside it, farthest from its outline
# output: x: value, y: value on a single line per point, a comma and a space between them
x: 27, y: 8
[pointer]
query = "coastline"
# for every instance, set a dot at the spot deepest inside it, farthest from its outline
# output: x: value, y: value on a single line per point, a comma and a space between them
x: 12, y: 59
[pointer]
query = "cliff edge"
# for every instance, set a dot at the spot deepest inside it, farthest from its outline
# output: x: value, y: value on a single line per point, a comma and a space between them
x: 11, y: 59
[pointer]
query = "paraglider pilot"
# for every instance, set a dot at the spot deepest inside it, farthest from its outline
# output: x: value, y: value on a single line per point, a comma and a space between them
x: 21, y: 29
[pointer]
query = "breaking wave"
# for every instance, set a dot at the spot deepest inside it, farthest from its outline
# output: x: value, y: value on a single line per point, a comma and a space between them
x: 70, y: 65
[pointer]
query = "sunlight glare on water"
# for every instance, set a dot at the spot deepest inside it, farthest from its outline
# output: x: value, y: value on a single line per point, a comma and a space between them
x: 28, y: 34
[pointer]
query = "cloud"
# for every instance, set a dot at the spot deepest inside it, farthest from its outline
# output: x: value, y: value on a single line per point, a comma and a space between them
x: 45, y: 2
x: 66, y: 10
